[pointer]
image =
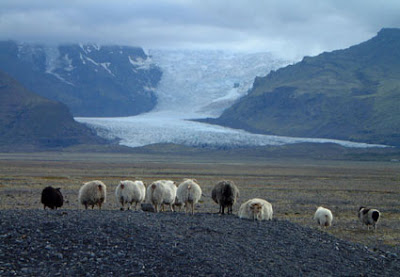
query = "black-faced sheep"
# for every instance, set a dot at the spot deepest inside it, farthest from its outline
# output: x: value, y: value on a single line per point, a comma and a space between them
x: 189, y: 193
x: 52, y: 198
x: 225, y: 194
x: 129, y: 192
x: 161, y: 192
x: 323, y: 217
x: 92, y: 193
x: 256, y: 209
x: 369, y: 216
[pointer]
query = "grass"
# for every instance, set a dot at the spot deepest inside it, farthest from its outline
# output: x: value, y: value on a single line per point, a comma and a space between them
x: 295, y: 187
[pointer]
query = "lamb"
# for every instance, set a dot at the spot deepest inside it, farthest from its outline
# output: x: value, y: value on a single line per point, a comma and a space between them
x: 52, y: 198
x: 256, y: 209
x: 189, y: 193
x: 323, y: 217
x: 161, y: 192
x: 225, y: 194
x: 129, y: 192
x: 92, y: 193
x: 369, y: 216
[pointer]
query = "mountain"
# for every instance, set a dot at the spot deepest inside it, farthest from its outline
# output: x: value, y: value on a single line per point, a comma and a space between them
x: 91, y: 80
x: 29, y: 120
x: 351, y: 94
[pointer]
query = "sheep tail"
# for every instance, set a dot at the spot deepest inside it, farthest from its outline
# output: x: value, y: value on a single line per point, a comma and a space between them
x: 190, y: 197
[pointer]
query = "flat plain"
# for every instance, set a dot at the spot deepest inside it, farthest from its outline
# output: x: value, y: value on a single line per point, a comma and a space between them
x: 295, y: 187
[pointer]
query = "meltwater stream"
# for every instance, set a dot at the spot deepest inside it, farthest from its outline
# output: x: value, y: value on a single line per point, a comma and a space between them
x: 198, y: 84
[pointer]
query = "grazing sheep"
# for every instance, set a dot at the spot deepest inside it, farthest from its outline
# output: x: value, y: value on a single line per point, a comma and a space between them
x: 323, y: 217
x: 225, y: 194
x: 92, y: 193
x: 52, y: 198
x: 369, y: 216
x: 189, y: 193
x: 128, y: 192
x: 256, y: 209
x: 161, y: 192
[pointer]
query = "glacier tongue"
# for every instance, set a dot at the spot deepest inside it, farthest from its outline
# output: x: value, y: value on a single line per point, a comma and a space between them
x: 198, y: 84
x: 207, y: 82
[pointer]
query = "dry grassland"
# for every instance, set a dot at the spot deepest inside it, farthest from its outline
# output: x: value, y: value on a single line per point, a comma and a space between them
x: 294, y: 187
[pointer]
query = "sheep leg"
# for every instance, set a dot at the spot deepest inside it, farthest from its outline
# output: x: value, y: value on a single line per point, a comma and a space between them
x: 192, y: 206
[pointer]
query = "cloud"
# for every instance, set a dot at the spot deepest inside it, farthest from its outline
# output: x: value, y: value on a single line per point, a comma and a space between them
x: 289, y: 27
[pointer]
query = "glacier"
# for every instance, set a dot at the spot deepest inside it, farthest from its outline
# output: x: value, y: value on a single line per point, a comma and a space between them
x: 198, y: 84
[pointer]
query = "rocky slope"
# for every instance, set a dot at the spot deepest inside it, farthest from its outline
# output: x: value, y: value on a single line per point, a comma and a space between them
x: 91, y: 80
x: 115, y: 243
x: 28, y: 120
x: 349, y: 94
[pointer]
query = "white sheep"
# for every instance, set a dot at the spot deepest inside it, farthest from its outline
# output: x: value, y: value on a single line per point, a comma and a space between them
x: 189, y: 193
x: 169, y: 195
x: 161, y: 192
x: 256, y: 209
x: 92, y: 193
x: 369, y: 216
x: 129, y: 192
x: 323, y: 217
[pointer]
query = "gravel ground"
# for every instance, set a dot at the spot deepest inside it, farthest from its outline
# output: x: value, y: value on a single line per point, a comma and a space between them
x: 116, y: 243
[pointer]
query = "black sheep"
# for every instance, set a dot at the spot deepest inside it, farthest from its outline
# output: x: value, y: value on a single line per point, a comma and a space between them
x: 369, y: 216
x: 52, y: 198
x: 225, y: 194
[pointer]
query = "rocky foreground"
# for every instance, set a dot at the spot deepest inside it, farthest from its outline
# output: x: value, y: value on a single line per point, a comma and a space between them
x: 116, y: 243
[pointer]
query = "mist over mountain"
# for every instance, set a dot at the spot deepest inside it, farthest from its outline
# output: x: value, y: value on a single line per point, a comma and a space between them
x: 351, y: 94
x: 29, y: 121
x: 91, y: 80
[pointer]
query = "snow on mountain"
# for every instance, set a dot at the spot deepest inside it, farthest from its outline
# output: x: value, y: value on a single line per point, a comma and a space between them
x: 197, y: 84
x: 92, y: 80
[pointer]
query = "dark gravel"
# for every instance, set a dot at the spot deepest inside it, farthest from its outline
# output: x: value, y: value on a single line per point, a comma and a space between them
x: 115, y: 243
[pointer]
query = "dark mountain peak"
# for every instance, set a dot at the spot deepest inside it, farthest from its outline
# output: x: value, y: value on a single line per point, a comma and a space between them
x: 385, y: 33
x: 27, y: 119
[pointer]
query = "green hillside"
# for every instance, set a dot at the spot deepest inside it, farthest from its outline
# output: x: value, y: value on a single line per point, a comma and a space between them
x: 28, y: 120
x: 351, y: 94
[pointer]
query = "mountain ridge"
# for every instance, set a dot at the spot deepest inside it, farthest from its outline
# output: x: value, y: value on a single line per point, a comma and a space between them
x: 349, y: 94
x: 91, y: 80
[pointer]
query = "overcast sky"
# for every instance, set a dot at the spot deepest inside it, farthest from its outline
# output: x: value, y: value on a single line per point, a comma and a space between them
x: 292, y: 28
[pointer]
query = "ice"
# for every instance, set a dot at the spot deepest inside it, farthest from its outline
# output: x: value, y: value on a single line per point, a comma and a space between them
x: 198, y: 84
x: 171, y: 127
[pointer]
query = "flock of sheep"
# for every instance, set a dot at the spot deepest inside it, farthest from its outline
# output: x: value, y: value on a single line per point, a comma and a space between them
x: 187, y: 194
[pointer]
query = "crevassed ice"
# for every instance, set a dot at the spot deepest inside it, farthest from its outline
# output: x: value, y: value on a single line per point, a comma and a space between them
x: 198, y: 84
